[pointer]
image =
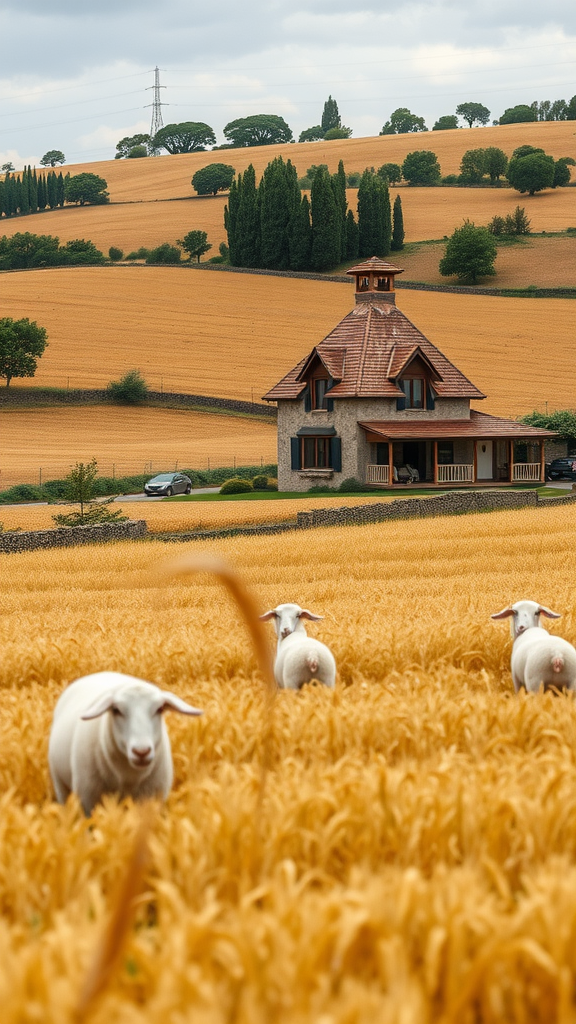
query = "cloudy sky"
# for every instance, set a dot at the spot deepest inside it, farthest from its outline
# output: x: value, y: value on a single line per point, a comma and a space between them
x: 73, y: 73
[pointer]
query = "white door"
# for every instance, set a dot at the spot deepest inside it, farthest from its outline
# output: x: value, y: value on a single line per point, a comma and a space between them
x: 484, y: 469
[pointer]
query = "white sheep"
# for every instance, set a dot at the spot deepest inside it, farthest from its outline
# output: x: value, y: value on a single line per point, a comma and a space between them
x: 299, y: 658
x: 108, y: 736
x: 538, y: 657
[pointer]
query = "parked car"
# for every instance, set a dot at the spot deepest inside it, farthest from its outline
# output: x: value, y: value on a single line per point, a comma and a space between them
x: 168, y: 484
x: 565, y: 467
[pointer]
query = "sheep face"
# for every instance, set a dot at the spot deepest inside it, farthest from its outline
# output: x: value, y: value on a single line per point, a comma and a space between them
x: 287, y: 619
x: 525, y: 615
x: 135, y: 719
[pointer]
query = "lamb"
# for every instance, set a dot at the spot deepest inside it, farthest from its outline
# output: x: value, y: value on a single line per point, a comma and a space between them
x: 538, y: 658
x: 299, y: 658
x: 108, y: 736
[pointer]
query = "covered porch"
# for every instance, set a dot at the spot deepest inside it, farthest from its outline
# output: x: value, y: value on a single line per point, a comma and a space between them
x: 454, y: 453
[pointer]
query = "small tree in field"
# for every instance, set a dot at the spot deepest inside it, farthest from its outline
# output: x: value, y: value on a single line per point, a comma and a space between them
x: 398, y: 225
x: 53, y: 157
x: 86, y: 188
x: 470, y: 254
x: 212, y: 179
x: 131, y: 389
x: 195, y: 243
x: 22, y: 342
x: 80, y: 490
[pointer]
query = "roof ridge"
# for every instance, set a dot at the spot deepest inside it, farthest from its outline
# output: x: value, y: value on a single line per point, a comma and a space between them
x: 360, y: 376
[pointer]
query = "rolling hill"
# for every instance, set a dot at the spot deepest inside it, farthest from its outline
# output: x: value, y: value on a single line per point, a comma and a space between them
x: 234, y: 335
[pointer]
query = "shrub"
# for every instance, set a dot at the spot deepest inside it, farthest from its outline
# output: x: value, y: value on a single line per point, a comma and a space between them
x: 131, y: 389
x: 260, y: 483
x: 21, y: 493
x: 451, y: 179
x: 139, y: 254
x: 497, y: 225
x: 136, y: 152
x: 352, y: 486
x: 115, y: 253
x: 164, y: 253
x: 236, y: 486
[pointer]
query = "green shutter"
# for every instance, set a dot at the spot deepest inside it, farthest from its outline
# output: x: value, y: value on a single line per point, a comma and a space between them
x: 429, y: 397
x: 295, y: 453
x: 336, y: 454
x: 307, y: 399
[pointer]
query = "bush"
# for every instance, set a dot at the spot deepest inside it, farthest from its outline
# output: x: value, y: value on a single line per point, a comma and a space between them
x: 497, y: 225
x: 164, y: 253
x: 131, y: 389
x: 21, y: 492
x: 260, y: 483
x: 139, y: 254
x: 421, y: 167
x: 115, y: 254
x: 136, y: 152
x: 236, y: 486
x: 451, y: 179
x: 352, y: 486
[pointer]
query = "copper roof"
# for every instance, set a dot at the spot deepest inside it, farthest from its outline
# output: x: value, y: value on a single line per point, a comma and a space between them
x: 480, y: 425
x: 369, y: 347
x: 376, y: 266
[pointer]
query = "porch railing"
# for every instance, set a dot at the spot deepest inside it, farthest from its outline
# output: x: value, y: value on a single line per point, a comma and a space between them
x: 378, y: 474
x: 455, y: 473
x: 526, y: 471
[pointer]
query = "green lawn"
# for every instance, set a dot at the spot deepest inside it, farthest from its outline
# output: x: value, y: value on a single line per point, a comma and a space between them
x: 408, y: 492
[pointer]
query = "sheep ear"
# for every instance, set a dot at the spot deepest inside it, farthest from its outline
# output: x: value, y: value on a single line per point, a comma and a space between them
x: 549, y: 614
x: 504, y: 614
x: 98, y: 707
x: 174, y: 703
x: 268, y: 615
x: 305, y: 614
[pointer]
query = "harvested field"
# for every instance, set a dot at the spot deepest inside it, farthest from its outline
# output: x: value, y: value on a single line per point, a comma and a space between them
x: 428, y: 213
x: 168, y: 177
x: 412, y: 857
x: 234, y: 335
x: 130, y: 440
x: 181, y: 517
x: 543, y: 262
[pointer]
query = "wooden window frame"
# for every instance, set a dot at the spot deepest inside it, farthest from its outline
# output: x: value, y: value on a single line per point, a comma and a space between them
x: 313, y: 383
x: 446, y: 445
x: 410, y: 396
x: 327, y: 464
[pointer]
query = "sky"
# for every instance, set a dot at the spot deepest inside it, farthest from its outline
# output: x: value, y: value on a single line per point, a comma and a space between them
x: 74, y: 74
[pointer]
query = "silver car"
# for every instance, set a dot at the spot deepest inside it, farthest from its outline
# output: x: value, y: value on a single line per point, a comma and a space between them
x: 167, y: 484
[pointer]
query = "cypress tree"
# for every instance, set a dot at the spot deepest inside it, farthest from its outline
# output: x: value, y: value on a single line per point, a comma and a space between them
x: 17, y: 194
x: 330, y: 116
x: 279, y: 200
x: 351, y: 237
x: 339, y: 186
x: 24, y: 193
x: 51, y: 190
x: 60, y: 189
x: 230, y: 218
x: 2, y: 198
x: 33, y: 190
x: 248, y: 220
x: 385, y: 216
x: 374, y: 220
x: 6, y: 195
x: 325, y: 223
x: 300, y: 238
x: 41, y: 191
x: 398, y: 231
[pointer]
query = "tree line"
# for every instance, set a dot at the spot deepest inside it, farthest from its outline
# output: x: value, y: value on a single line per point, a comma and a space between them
x: 272, y: 226
x: 403, y: 121
x: 30, y: 192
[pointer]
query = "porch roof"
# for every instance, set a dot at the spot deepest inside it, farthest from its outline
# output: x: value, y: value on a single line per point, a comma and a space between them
x: 480, y: 425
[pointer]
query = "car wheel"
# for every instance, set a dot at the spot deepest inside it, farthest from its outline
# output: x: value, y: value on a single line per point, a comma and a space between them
x: 189, y: 489
x: 169, y: 492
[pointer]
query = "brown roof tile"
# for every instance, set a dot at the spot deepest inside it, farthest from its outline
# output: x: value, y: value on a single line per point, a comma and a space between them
x: 479, y: 425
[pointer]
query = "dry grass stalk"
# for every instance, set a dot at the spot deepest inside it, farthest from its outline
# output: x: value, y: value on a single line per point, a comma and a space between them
x: 115, y: 934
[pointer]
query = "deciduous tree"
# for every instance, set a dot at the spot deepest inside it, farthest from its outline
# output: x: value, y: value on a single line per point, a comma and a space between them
x: 473, y: 113
x: 531, y: 173
x: 392, y: 173
x: 518, y: 114
x: 187, y: 137
x: 195, y: 243
x: 421, y: 168
x: 470, y: 253
x: 258, y: 130
x: 472, y: 166
x: 212, y: 179
x: 22, y: 342
x: 130, y: 142
x: 314, y: 134
x: 86, y: 188
x: 53, y: 157
x: 444, y: 122
x: 403, y: 121
x: 495, y: 163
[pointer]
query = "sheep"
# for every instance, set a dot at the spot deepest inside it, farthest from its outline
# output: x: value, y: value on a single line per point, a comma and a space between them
x: 299, y: 658
x: 108, y: 736
x: 538, y: 658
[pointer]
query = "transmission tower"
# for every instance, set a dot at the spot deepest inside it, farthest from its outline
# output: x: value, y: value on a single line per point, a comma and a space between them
x: 157, y: 122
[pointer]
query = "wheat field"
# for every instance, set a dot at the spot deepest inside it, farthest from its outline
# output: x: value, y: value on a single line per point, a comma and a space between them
x: 126, y: 441
x: 411, y: 858
x: 235, y: 335
x: 543, y: 262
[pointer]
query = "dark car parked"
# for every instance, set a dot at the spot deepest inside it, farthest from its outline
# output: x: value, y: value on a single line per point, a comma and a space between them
x: 167, y: 484
x: 565, y: 467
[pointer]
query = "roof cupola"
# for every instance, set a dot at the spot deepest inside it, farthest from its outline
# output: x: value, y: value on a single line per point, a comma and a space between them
x: 375, y: 280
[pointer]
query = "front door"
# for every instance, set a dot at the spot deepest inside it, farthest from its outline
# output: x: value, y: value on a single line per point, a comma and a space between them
x: 484, y: 470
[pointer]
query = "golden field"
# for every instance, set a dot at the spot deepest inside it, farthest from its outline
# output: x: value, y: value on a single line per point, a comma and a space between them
x: 169, y: 177
x: 428, y: 213
x: 126, y: 441
x: 412, y: 857
x: 183, y: 516
x: 544, y: 262
x: 235, y: 335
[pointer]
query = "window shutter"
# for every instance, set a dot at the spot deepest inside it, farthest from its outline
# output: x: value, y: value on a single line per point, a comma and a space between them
x: 295, y: 453
x: 307, y: 399
x: 336, y: 454
x: 401, y: 403
x: 429, y: 397
x: 330, y: 404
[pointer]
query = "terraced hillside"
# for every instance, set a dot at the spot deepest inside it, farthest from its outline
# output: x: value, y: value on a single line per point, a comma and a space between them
x: 234, y: 335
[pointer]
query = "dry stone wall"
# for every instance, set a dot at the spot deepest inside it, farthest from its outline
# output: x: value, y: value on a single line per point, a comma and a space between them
x: 68, y: 537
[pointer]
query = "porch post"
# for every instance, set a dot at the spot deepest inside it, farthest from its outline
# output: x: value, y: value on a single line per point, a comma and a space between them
x: 511, y: 460
x: 435, y: 456
x: 542, y: 463
x: 390, y: 464
x: 475, y: 469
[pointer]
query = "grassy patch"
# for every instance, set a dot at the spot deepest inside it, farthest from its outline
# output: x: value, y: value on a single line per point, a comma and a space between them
x: 412, y: 492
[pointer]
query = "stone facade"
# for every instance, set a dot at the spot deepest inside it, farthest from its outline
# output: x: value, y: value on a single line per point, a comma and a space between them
x: 32, y: 540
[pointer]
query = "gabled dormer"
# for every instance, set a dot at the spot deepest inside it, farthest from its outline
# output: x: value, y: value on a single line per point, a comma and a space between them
x: 320, y: 372
x: 416, y: 378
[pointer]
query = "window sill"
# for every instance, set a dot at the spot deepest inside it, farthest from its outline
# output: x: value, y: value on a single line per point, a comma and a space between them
x: 319, y: 412
x: 325, y: 474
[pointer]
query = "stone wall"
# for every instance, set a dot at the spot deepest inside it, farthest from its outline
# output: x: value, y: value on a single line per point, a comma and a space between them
x: 36, y: 397
x: 70, y: 537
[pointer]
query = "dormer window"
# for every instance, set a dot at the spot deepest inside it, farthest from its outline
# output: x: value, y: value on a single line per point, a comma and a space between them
x: 382, y: 284
x: 319, y: 388
x: 414, y: 390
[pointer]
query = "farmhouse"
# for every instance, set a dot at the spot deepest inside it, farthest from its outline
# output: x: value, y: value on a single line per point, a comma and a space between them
x: 375, y: 400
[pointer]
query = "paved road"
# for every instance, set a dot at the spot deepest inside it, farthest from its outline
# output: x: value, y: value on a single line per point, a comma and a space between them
x: 144, y: 497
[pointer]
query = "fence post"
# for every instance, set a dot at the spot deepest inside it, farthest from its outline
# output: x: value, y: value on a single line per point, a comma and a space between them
x: 40, y: 477
x: 234, y: 462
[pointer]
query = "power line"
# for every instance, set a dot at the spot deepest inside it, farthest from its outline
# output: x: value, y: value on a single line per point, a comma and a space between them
x: 62, y: 106
x: 53, y: 124
x: 67, y: 88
